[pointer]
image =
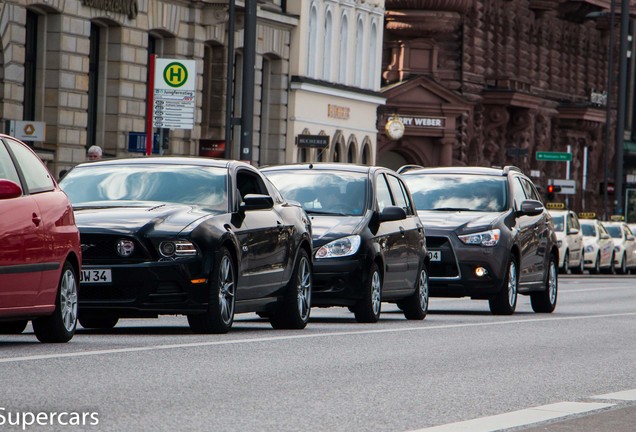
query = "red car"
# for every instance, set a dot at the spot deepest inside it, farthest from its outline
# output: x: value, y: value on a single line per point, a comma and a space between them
x: 40, y: 257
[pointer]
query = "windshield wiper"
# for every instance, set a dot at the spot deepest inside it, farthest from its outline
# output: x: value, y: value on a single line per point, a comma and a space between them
x: 319, y: 212
x: 451, y: 209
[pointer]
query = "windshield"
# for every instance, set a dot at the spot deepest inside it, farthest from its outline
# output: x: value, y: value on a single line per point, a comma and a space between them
x: 323, y: 192
x: 557, y: 221
x: 589, y: 230
x: 614, y: 231
x: 140, y: 184
x: 458, y: 192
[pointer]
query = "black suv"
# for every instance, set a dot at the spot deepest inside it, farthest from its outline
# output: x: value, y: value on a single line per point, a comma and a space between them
x: 488, y: 236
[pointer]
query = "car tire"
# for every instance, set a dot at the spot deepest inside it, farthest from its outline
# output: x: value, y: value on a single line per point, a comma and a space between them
x: 566, y: 263
x: 580, y: 269
x: 415, y: 307
x: 13, y: 327
x: 98, y: 321
x: 505, y: 302
x: 545, y: 301
x: 219, y: 316
x: 622, y: 267
x: 611, y: 269
x: 293, y: 313
x: 597, y: 265
x: 59, y: 327
x: 369, y: 308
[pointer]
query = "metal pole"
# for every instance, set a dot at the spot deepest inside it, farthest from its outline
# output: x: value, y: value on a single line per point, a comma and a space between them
x: 622, y: 100
x: 150, y: 109
x: 608, y: 111
x: 229, y: 87
x: 249, y: 61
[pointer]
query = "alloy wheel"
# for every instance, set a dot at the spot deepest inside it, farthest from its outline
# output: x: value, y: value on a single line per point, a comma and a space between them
x: 303, y: 286
x: 68, y: 300
x: 226, y: 290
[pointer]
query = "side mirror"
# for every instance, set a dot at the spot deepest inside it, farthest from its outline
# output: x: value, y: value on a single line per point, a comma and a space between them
x: 9, y: 189
x: 574, y: 231
x: 256, y: 202
x: 604, y: 236
x: 531, y: 208
x: 392, y: 213
x: 630, y: 238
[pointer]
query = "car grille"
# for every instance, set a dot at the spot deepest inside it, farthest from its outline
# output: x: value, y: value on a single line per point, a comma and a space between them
x: 447, y: 267
x: 102, y: 249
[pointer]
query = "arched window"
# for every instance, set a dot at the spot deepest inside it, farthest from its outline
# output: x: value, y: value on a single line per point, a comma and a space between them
x: 313, y: 41
x: 344, y: 45
x: 359, y: 51
x: 326, y: 65
x: 373, y: 56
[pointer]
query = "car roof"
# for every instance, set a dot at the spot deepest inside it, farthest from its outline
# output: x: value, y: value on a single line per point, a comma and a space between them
x: 167, y: 160
x: 463, y: 170
x: 325, y: 166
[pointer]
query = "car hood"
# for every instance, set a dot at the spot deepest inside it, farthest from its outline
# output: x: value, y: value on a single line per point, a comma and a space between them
x: 327, y: 228
x: 457, y: 220
x: 172, y: 218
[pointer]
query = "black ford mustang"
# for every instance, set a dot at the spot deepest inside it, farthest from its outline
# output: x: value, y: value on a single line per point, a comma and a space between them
x: 201, y: 237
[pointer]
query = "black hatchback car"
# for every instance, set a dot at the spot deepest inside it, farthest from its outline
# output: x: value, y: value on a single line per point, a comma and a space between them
x: 369, y: 244
x: 488, y: 235
x: 201, y: 237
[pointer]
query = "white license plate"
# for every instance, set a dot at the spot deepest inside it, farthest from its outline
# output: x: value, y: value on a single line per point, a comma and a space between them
x: 435, y: 255
x: 94, y: 276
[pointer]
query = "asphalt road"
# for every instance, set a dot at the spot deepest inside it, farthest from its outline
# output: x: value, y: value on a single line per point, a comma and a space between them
x: 461, y: 369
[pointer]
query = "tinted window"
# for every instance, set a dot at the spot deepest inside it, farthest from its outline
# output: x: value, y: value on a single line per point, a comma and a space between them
x: 37, y: 177
x: 177, y: 184
x: 529, y: 189
x: 589, y: 230
x: 518, y: 193
x: 557, y: 221
x: 382, y: 193
x: 320, y: 191
x: 399, y: 194
x: 7, y: 170
x: 614, y: 231
x: 456, y: 191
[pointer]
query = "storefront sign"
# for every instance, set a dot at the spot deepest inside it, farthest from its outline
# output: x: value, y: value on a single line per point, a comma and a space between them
x: 126, y: 7
x: 27, y: 130
x: 315, y: 141
x: 338, y: 112
x: 427, y: 122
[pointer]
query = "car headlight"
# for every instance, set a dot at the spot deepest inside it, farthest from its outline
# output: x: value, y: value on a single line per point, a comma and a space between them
x: 559, y: 243
x: 484, y: 238
x: 177, y: 248
x: 589, y: 248
x: 342, y: 247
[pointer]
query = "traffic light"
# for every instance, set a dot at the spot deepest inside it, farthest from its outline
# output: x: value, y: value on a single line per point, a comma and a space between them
x: 552, y: 189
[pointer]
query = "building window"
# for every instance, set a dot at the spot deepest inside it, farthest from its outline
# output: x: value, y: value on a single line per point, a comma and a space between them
x: 313, y: 42
x: 30, y: 65
x: 93, y: 84
x: 366, y: 154
x: 344, y: 45
x: 359, y: 66
x: 214, y: 80
x: 351, y: 154
x: 326, y: 65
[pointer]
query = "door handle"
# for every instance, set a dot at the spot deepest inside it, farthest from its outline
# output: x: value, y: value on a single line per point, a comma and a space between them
x: 36, y: 219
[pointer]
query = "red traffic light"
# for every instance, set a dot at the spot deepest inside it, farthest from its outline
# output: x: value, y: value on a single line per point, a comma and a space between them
x: 554, y: 189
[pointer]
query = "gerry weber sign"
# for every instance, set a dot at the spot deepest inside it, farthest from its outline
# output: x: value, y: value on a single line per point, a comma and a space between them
x: 427, y: 122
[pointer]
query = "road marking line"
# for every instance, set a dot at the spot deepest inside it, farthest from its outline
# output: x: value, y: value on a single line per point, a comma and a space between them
x: 512, y: 321
x: 627, y: 395
x: 522, y: 417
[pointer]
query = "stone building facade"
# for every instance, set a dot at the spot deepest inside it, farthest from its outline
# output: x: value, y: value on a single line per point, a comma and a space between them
x: 81, y: 67
x: 505, y: 79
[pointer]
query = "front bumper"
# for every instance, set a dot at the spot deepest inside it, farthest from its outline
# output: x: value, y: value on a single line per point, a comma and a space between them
x: 147, y: 289
x: 338, y: 281
x: 454, y: 275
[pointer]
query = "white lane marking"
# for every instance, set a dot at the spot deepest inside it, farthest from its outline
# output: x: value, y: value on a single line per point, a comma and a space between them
x: 627, y: 395
x: 306, y: 336
x: 522, y: 417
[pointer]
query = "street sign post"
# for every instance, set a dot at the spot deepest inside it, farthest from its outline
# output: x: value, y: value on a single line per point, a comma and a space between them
x: 174, y: 93
x: 554, y: 156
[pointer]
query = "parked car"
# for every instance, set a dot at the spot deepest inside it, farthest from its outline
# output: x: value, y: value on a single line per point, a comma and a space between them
x: 488, y: 235
x: 569, y: 240
x: 598, y: 247
x: 624, y: 246
x: 40, y: 256
x: 195, y: 236
x: 369, y: 244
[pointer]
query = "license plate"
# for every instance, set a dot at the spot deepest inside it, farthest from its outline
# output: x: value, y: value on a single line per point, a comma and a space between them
x: 93, y: 276
x: 435, y: 255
